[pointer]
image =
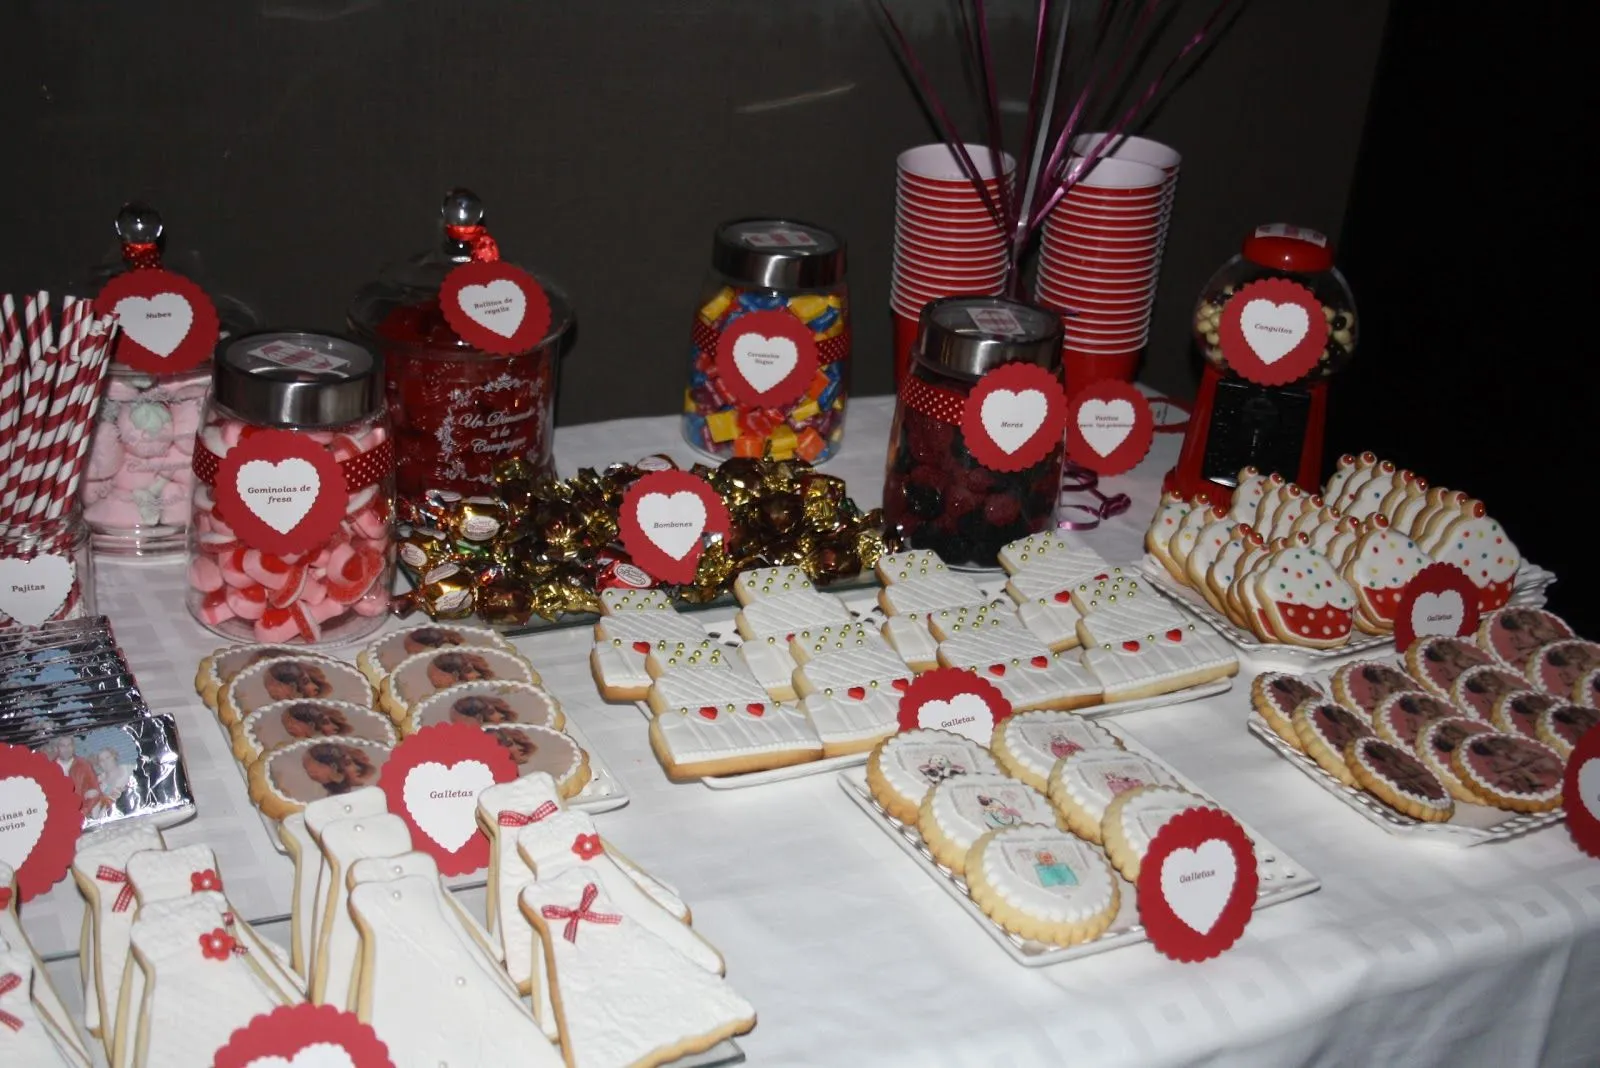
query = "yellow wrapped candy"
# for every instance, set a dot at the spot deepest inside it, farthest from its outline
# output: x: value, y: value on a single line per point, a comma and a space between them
x: 724, y: 425
x: 717, y: 305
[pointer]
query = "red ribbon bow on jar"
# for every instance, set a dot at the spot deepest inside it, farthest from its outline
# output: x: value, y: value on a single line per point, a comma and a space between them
x: 584, y: 911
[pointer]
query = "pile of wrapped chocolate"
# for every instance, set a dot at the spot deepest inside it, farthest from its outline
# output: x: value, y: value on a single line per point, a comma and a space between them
x: 545, y: 547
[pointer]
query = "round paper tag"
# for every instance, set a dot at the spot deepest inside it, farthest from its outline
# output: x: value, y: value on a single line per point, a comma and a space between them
x: 1439, y: 599
x: 951, y: 699
x: 1580, y: 793
x: 304, y: 1036
x: 166, y: 323
x: 1109, y: 427
x: 1273, y: 331
x: 1013, y: 417
x: 433, y: 780
x: 1197, y: 884
x: 33, y: 588
x: 280, y: 492
x: 663, y: 516
x: 496, y: 306
x: 41, y: 811
x: 766, y: 359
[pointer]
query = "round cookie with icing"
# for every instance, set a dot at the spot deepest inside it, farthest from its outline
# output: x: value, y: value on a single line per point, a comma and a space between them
x: 1438, y: 661
x: 959, y: 811
x: 1326, y: 731
x: 1437, y: 745
x: 218, y: 669
x: 1027, y: 745
x: 386, y: 653
x: 432, y: 670
x: 487, y: 704
x: 1476, y: 690
x: 1515, y: 633
x: 1402, y: 717
x: 1561, y: 726
x: 1379, y: 567
x: 1587, y: 690
x: 1397, y: 778
x: 1082, y: 786
x: 1042, y: 884
x: 1132, y: 820
x: 1558, y: 667
x: 1304, y: 601
x: 1276, y: 695
x: 1478, y: 546
x: 1366, y: 684
x: 540, y: 749
x: 276, y: 725
x: 290, y: 678
x: 904, y: 767
x: 1508, y: 771
x: 286, y: 780
x: 1518, y: 713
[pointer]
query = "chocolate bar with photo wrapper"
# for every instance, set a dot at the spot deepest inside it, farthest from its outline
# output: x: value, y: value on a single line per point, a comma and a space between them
x: 123, y: 771
x: 35, y: 697
x: 75, y: 713
x: 53, y: 634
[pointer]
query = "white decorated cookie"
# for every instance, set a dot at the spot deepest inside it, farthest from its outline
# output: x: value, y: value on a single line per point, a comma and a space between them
x: 1366, y: 498
x: 1344, y: 470
x: 623, y: 641
x: 488, y: 704
x: 849, y: 724
x: 288, y: 678
x: 307, y: 859
x: 903, y: 768
x: 1395, y: 776
x: 100, y: 870
x: 1028, y: 744
x: 218, y: 669
x: 1083, y: 784
x: 1207, y: 545
x: 276, y: 725
x: 1042, y: 884
x: 1041, y: 549
x: 1515, y: 633
x: 1188, y: 533
x: 1023, y: 668
x: 1105, y: 588
x: 25, y: 1037
x: 387, y: 652
x: 344, y: 842
x: 1379, y: 566
x: 535, y: 750
x: 1247, y: 493
x: 1289, y: 518
x: 786, y: 613
x: 1128, y: 614
x: 46, y: 1002
x: 1170, y: 514
x: 600, y: 958
x: 1047, y: 574
x: 812, y: 642
x: 689, y: 687
x: 1172, y: 660
x: 999, y: 613
x: 764, y: 582
x: 919, y: 581
x: 426, y: 673
x: 1133, y: 819
x: 1053, y: 620
x: 837, y: 672
x: 1478, y: 546
x: 912, y: 640
x: 731, y: 738
x: 291, y: 777
x: 770, y: 663
x: 622, y: 600
x: 1304, y: 600
x: 957, y: 812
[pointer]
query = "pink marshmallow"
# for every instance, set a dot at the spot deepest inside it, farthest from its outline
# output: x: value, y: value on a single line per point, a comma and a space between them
x: 374, y: 603
x: 325, y: 609
x: 127, y: 479
x: 247, y: 602
x: 216, y: 614
x: 105, y: 453
x: 93, y: 493
x: 175, y: 514
x: 115, y: 512
x: 120, y: 388
x: 285, y: 631
x: 371, y: 525
x: 314, y: 592
x: 205, y: 575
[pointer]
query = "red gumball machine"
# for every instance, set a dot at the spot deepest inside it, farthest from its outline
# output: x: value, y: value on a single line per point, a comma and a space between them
x: 1274, y: 324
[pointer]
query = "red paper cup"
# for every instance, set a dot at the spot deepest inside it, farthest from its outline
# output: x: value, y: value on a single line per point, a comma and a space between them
x: 1120, y: 251
x: 969, y: 240
x: 1097, y: 202
x: 940, y: 276
x: 1096, y: 311
x: 915, y: 294
x: 1106, y: 322
x: 1081, y: 339
x: 1098, y: 284
x: 973, y: 219
x: 1118, y: 177
x: 963, y: 196
x: 961, y: 261
x: 1067, y: 263
x: 1082, y: 368
x: 1137, y: 149
x: 937, y: 163
x: 1061, y: 227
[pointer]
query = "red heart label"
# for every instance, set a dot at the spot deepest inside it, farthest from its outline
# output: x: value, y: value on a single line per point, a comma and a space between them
x: 432, y: 781
x: 41, y: 812
x: 497, y: 306
x: 663, y: 519
x: 766, y: 359
x: 166, y: 324
x: 951, y: 699
x: 1580, y: 792
x: 1272, y: 331
x: 1012, y: 418
x: 1109, y: 427
x: 1197, y: 884
x: 280, y: 492
x: 279, y: 1036
x: 1439, y: 599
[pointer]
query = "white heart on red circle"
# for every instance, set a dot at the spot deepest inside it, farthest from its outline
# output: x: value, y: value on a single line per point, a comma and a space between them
x: 317, y: 1055
x: 674, y: 522
x: 158, y: 323
x: 23, y: 810
x: 1105, y: 425
x: 279, y: 494
x: 1437, y: 613
x: 498, y: 305
x: 1197, y: 883
x: 1013, y: 417
x: 966, y: 714
x: 1589, y: 786
x: 32, y: 589
x: 1273, y: 330
x: 764, y: 361
x: 443, y: 800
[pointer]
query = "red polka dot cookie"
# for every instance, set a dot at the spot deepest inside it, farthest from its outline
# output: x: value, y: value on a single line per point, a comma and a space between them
x: 1304, y: 601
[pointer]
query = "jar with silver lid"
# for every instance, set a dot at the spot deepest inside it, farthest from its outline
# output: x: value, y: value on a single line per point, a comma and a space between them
x: 290, y: 538
x: 770, y: 353
x: 942, y: 491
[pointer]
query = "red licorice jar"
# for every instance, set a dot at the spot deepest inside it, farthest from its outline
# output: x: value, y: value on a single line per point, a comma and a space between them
x: 941, y: 491
x: 457, y: 408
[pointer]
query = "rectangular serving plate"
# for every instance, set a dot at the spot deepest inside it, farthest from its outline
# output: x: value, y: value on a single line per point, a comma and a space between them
x: 1281, y: 877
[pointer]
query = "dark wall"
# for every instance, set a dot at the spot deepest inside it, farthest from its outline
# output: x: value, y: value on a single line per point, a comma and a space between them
x: 300, y: 144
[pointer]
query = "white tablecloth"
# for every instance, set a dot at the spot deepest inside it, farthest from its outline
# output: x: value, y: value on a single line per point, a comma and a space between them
x: 1411, y: 954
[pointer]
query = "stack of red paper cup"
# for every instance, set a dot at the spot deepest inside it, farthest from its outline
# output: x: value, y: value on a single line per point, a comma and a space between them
x: 946, y: 242
x: 1101, y: 256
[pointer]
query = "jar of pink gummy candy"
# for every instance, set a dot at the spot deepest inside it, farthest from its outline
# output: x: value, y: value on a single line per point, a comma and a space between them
x: 290, y: 531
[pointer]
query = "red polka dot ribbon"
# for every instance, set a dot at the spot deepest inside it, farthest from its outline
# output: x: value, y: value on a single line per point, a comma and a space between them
x: 935, y: 402
x: 108, y: 874
x: 141, y: 255
x: 584, y: 911
x: 367, y: 469
x: 522, y: 819
x: 831, y: 350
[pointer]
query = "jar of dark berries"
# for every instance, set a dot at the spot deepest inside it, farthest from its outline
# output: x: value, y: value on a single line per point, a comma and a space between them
x: 940, y: 491
x: 1299, y: 255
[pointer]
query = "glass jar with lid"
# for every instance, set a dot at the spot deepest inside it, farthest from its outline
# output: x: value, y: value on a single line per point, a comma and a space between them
x: 457, y: 408
x: 770, y: 352
x: 137, y: 480
x: 941, y: 491
x: 290, y: 538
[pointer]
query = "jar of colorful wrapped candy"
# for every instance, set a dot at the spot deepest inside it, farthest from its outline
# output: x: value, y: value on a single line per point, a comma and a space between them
x: 770, y: 359
x: 976, y: 448
x: 290, y: 535
x: 470, y: 344
x: 137, y: 483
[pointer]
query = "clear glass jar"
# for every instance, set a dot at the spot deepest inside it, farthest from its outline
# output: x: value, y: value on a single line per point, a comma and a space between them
x: 138, y: 478
x: 48, y: 572
x: 457, y: 410
x: 936, y: 493
x: 325, y: 588
x: 1302, y: 256
x: 788, y: 402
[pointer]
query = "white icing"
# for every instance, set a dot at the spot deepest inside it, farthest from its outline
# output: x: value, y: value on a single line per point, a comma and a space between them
x: 1147, y: 811
x: 1044, y: 576
x: 265, y: 728
x: 1011, y: 659
x: 531, y: 704
x: 1053, y: 622
x: 1036, y: 740
x: 46, y: 1002
x: 1207, y: 544
x: 1246, y: 497
x: 1368, y: 498
x: 1095, y: 776
x: 386, y: 653
x: 915, y: 761
x: 247, y: 691
x: 343, y: 843
x: 1271, y: 501
x: 844, y: 720
x: 911, y: 639
x: 1225, y: 566
x: 28, y: 1041
x: 1385, y: 560
x: 687, y: 688
x: 691, y: 737
x: 1305, y: 578
x: 1038, y: 549
x: 429, y: 993
x: 1343, y: 471
x: 625, y: 994
x: 765, y: 582
x: 307, y: 872
x: 789, y: 612
x: 1133, y: 615
x: 568, y: 842
x: 768, y: 660
x: 814, y: 641
x: 1406, y: 514
x: 1189, y: 531
x: 913, y: 563
x: 1481, y: 548
x: 969, y: 807
x: 618, y: 601
x: 651, y: 627
x: 1048, y: 874
x: 1155, y: 662
x: 1293, y: 510
x: 704, y: 653
x: 831, y: 674
x: 995, y: 615
x: 110, y: 849
x: 1103, y: 589
x: 936, y: 590
x: 620, y: 666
